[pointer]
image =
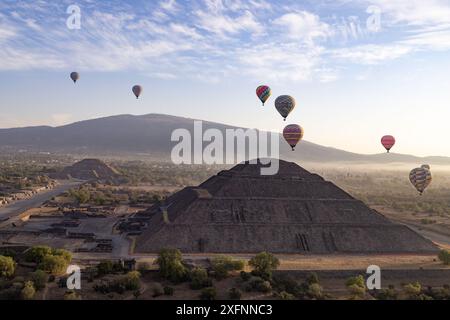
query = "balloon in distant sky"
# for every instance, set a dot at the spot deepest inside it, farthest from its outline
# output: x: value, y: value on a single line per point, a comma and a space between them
x: 263, y: 93
x: 137, y: 90
x: 426, y: 166
x: 388, y: 142
x: 74, y: 76
x: 285, y: 105
x: 293, y: 133
x: 420, y: 179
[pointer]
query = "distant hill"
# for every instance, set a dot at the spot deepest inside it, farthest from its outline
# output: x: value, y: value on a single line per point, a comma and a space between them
x: 150, y: 134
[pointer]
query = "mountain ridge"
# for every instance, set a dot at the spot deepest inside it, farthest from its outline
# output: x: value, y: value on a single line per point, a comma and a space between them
x: 150, y: 133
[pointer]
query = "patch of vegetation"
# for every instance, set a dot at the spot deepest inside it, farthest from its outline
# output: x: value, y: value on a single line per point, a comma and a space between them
x: 444, y: 256
x: 208, y: 294
x: 7, y: 267
x: 171, y: 265
x: 264, y: 264
x: 199, y: 279
x: 223, y: 265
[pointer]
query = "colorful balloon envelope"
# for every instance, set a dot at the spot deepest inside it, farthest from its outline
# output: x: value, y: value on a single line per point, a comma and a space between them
x: 263, y: 93
x: 137, y: 90
x: 293, y: 134
x: 420, y: 179
x: 388, y: 142
x: 285, y: 105
x: 74, y: 76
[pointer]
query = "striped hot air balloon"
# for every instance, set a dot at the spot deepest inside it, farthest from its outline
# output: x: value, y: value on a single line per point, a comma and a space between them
x: 263, y: 93
x: 388, y: 142
x: 420, y: 179
x: 285, y: 105
x: 293, y: 133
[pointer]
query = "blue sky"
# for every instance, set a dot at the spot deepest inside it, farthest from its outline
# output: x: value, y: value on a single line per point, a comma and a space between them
x: 353, y: 81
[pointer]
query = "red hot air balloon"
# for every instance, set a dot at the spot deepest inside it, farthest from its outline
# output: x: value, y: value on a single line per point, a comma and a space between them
x: 388, y: 142
x: 293, y: 133
x: 137, y: 90
x: 263, y: 93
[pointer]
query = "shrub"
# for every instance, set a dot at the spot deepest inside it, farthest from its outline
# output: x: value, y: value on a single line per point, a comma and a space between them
x: 171, y: 265
x: 222, y: 265
x: 168, y: 291
x: 283, y: 295
x: 28, y: 291
x: 7, y: 266
x: 288, y: 284
x: 66, y: 255
x: 258, y: 284
x: 37, y: 254
x: 412, y: 290
x: 234, y: 294
x: 55, y: 265
x: 131, y: 280
x: 157, y: 290
x: 245, y: 276
x: 263, y: 264
x: 356, y: 286
x: 315, y: 291
x: 71, y: 295
x: 208, y: 294
x: 444, y: 256
x: 40, y: 279
x: 199, y: 279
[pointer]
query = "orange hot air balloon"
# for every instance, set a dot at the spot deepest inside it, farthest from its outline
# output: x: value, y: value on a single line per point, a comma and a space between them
x: 293, y: 133
x: 388, y: 142
x: 137, y: 90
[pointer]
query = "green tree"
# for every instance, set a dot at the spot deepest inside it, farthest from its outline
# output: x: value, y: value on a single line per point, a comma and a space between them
x: 55, y: 265
x: 222, y: 265
x: 199, y: 279
x: 7, y: 266
x: 37, y: 254
x: 66, y: 255
x: 264, y: 263
x: 444, y: 256
x: 356, y: 286
x: 171, y: 265
x: 28, y: 291
x: 40, y: 279
x: 208, y: 294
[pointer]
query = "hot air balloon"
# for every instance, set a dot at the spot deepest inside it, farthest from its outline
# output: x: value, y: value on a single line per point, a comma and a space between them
x: 285, y: 105
x: 293, y: 133
x: 263, y: 93
x: 74, y: 76
x: 137, y: 90
x: 426, y: 166
x: 420, y: 178
x: 388, y: 142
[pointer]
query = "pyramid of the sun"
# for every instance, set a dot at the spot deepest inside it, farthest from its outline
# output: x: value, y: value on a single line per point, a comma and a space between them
x: 294, y: 211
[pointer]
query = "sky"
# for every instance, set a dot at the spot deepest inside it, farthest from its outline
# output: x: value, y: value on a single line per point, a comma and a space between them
x: 357, y: 69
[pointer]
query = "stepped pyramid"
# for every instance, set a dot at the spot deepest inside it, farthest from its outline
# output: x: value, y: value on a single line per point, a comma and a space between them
x: 294, y: 211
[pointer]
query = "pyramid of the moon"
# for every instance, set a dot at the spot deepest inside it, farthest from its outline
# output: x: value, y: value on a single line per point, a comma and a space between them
x: 294, y: 211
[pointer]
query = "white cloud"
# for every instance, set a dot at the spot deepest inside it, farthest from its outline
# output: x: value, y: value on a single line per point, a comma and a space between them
x: 371, y: 54
x: 222, y: 24
x: 303, y: 26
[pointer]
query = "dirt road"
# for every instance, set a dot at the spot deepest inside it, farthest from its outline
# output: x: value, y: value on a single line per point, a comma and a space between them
x: 11, y: 212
